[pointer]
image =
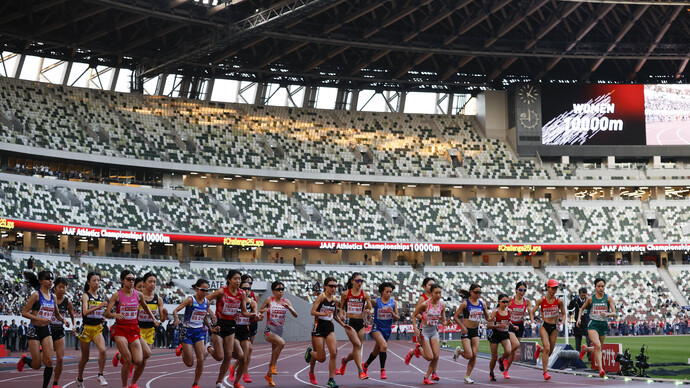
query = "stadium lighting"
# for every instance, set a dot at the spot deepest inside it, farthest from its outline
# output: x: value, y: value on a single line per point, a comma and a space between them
x: 273, y: 180
x: 194, y: 173
x: 457, y: 187
x: 203, y: 177
x: 505, y: 187
x: 411, y: 185
x: 249, y: 179
x: 550, y: 188
x: 318, y: 183
x: 227, y: 178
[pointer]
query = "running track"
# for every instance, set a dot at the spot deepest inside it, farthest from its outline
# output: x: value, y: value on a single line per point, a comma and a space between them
x: 167, y: 371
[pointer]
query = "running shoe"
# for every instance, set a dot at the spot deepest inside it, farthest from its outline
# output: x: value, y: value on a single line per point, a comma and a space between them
x: 135, y: 385
x: 583, y: 351
x: 195, y: 386
x: 312, y: 379
x: 383, y: 374
x: 468, y: 380
x: 505, y: 364
x: 231, y: 377
x: 501, y: 366
x: 332, y: 384
x: 417, y: 350
x: 365, y: 366
x: 219, y: 385
x: 341, y: 371
x: 491, y: 376
x: 246, y: 378
x: 506, y: 375
x: 602, y: 373
x: 426, y: 381
x: 547, y: 376
x: 80, y: 384
x: 272, y: 370
x: 408, y: 357
x: 56, y: 386
x: 536, y: 352
x: 456, y: 353
x: 363, y: 376
x: 237, y: 385
x: 307, y: 355
x: 269, y: 379
x: 178, y: 351
x: 20, y: 363
x: 116, y: 359
x: 434, y: 376
x: 101, y: 380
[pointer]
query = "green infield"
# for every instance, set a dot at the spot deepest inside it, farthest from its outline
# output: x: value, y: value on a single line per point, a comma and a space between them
x: 662, y: 349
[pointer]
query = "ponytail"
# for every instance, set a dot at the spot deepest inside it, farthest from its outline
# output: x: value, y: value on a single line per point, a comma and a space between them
x: 32, y: 280
x: 351, y: 280
x: 88, y: 279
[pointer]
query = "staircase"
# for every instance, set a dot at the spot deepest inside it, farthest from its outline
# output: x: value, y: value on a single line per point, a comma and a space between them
x: 672, y: 287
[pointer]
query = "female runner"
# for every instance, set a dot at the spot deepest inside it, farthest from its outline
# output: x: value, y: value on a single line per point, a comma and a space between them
x: 418, y: 339
x: 499, y: 324
x: 323, y: 332
x: 242, y: 332
x: 196, y: 309
x: 550, y: 306
x: 253, y: 327
x: 385, y: 311
x: 598, y: 328
x: 57, y: 328
x: 275, y: 308
x: 40, y: 309
x: 432, y: 313
x: 354, y: 304
x: 472, y: 310
x: 92, y: 306
x: 230, y: 301
x: 519, y: 307
x: 126, y: 332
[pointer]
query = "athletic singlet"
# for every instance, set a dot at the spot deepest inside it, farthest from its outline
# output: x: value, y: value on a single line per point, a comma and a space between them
x: 228, y: 305
x: 96, y: 316
x: 195, y: 313
x: 502, y: 319
x: 432, y: 315
x: 128, y: 306
x: 599, y: 308
x: 473, y: 312
x: 325, y: 306
x: 62, y: 308
x: 145, y: 320
x: 383, y: 313
x: 275, y: 315
x: 354, y: 304
x: 517, y: 312
x: 45, y: 308
x: 549, y: 310
x: 241, y: 319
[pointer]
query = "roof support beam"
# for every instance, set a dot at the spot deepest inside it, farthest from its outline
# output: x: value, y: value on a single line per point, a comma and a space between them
x: 366, y: 62
x: 34, y: 8
x: 322, y: 59
x: 156, y: 35
x: 468, y: 25
x: 354, y: 16
x: 631, y: 22
x: 293, y: 48
x: 681, y: 68
x: 405, y: 12
x: 657, y: 39
x: 436, y: 18
x: 586, y: 28
x: 454, y: 69
x: 508, y: 26
x: 103, y: 32
x: 555, y: 20
x: 76, y: 18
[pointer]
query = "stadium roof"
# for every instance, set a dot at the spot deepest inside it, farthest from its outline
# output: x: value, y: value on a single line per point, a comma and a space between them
x: 444, y: 45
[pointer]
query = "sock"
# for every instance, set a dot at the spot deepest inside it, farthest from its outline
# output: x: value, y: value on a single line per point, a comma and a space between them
x: 27, y: 360
x: 47, y: 374
x: 100, y: 374
x: 370, y: 359
x: 55, y: 382
x: 382, y: 359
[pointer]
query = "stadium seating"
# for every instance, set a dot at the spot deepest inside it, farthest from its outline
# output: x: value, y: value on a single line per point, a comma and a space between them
x: 610, y: 221
x: 676, y: 215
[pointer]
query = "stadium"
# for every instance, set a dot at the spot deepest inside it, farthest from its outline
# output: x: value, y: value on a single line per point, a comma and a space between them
x: 489, y: 142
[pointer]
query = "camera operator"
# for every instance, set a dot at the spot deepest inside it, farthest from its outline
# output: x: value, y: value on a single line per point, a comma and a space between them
x: 581, y: 330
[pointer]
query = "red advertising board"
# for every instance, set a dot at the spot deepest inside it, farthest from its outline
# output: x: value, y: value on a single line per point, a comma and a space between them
x: 608, y: 358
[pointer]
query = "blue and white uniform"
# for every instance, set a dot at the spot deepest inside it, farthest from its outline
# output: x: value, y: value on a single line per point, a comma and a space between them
x: 383, y: 317
x: 44, y: 309
x: 473, y: 313
x: 194, y: 321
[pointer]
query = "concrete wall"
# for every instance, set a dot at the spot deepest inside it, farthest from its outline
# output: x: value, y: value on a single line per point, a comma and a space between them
x: 495, y: 123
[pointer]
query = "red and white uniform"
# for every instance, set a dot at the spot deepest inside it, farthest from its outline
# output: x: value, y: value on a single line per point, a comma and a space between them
x: 275, y: 315
x: 354, y: 304
x: 228, y: 305
x: 549, y: 310
x: 502, y: 319
x: 128, y: 326
x: 517, y: 312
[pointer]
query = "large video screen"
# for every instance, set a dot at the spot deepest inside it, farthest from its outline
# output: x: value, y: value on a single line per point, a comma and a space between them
x: 596, y: 114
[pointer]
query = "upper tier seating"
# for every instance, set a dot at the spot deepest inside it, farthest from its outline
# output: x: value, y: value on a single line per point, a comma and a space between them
x: 617, y: 222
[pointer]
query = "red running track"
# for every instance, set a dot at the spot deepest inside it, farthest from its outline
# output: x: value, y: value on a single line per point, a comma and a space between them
x: 164, y: 370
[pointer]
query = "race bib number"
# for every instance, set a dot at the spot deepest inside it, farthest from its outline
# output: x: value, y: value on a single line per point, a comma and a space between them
x: 230, y: 309
x: 98, y: 313
x: 517, y: 315
x: 197, y: 316
x: 384, y: 314
x: 354, y: 306
x: 550, y: 312
x: 241, y: 320
x: 46, y: 312
x: 599, y: 311
x: 278, y: 315
x: 476, y: 315
x: 327, y: 309
x: 129, y: 312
